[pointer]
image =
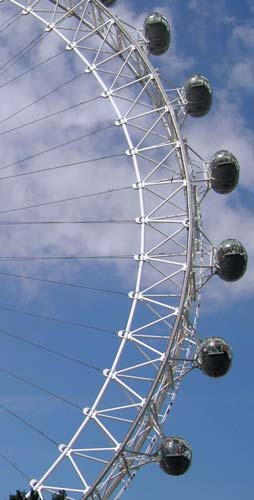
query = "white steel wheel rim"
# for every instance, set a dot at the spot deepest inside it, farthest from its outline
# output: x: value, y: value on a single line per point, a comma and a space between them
x: 153, y: 406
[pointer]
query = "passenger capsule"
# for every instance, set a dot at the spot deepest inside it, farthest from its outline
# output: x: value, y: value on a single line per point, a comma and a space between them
x: 198, y: 94
x: 230, y: 260
x: 157, y: 32
x: 214, y: 357
x: 108, y: 3
x: 224, y: 172
x: 174, y: 456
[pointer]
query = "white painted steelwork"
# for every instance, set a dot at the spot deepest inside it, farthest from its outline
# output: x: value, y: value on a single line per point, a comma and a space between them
x: 169, y: 257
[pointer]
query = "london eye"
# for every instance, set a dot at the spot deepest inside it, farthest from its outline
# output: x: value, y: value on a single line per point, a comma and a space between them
x: 103, y: 246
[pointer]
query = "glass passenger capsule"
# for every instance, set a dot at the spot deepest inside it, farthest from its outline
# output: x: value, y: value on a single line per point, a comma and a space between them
x: 174, y: 456
x: 214, y: 357
x: 198, y: 94
x: 224, y: 172
x: 108, y: 3
x: 231, y: 260
x: 157, y: 32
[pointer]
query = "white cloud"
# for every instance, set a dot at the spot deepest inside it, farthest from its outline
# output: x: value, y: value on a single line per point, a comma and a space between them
x: 223, y: 129
x: 245, y: 34
x: 241, y: 46
x: 30, y: 141
x: 243, y: 74
x: 226, y: 216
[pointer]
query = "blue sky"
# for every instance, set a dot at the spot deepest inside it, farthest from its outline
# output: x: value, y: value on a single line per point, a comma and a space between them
x: 214, y: 416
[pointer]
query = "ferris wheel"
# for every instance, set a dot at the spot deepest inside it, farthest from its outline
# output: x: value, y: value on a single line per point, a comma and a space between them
x: 92, y: 138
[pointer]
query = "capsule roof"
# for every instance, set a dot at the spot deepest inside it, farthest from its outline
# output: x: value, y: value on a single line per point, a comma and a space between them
x: 198, y: 94
x: 157, y: 32
x: 214, y: 357
x: 196, y: 80
x: 174, y: 455
x: 224, y: 172
x: 231, y: 260
x: 108, y: 3
x: 156, y: 17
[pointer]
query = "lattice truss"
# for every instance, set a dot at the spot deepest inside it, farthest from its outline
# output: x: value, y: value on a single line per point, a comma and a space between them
x: 119, y: 433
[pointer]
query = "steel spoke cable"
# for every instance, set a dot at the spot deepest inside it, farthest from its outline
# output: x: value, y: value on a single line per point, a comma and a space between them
x: 63, y: 200
x: 49, y: 115
x: 63, y: 283
x: 10, y: 21
x: 51, y: 351
x: 58, y: 320
x: 28, y: 424
x: 32, y: 68
x: 21, y: 53
x: 55, y: 222
x: 57, y: 146
x: 65, y: 165
x: 42, y: 389
x: 62, y: 257
x: 14, y: 466
x: 39, y: 99
x: 17, y: 57
x: 79, y: 222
